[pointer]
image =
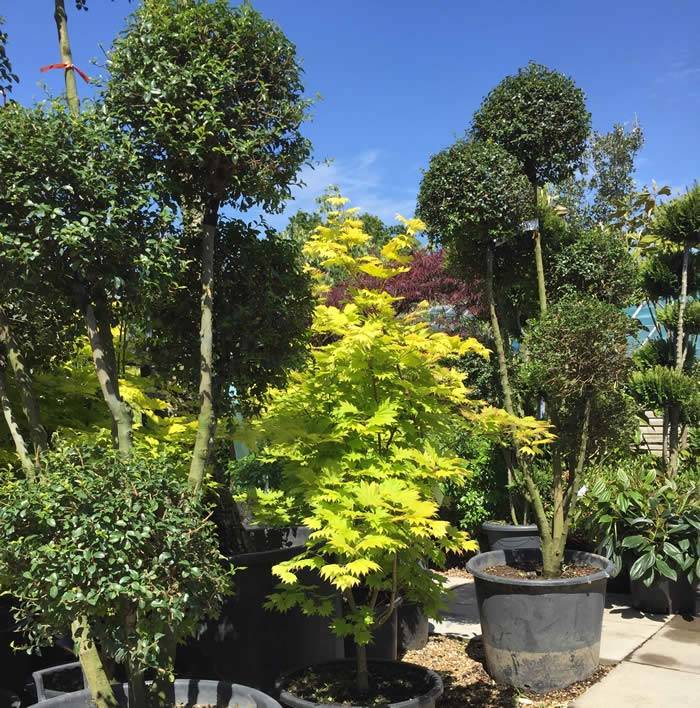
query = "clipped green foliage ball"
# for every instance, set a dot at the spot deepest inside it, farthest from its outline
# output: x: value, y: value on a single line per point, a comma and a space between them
x: 578, y: 347
x: 596, y: 263
x: 473, y: 191
x: 540, y: 117
x: 678, y: 220
x: 122, y: 543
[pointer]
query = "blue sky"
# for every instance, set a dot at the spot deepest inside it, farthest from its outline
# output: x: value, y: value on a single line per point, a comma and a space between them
x: 400, y: 79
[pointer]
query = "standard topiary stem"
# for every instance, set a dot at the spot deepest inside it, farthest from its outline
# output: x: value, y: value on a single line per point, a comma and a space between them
x: 121, y: 415
x: 66, y: 56
x: 206, y: 420
x: 17, y: 437
x: 30, y: 405
x: 97, y: 679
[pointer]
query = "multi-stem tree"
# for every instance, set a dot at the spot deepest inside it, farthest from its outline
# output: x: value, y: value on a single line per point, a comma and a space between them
x: 472, y: 199
x: 577, y: 358
x: 540, y: 117
x: 214, y: 97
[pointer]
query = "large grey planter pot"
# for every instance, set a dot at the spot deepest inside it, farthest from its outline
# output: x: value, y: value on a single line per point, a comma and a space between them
x: 510, y: 537
x: 540, y: 635
x: 427, y: 699
x: 186, y: 692
x: 251, y: 645
x: 664, y: 596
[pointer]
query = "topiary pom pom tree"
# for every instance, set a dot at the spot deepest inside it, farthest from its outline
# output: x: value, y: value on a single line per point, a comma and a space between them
x: 577, y: 355
x: 119, y: 543
x: 213, y: 95
x: 473, y: 198
x: 540, y: 117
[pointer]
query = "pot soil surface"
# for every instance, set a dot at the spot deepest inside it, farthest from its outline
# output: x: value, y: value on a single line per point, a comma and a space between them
x: 336, y: 684
x: 460, y: 662
x: 532, y: 570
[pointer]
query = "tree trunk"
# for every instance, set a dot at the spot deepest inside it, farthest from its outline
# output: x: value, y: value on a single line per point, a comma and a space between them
x: 97, y: 679
x: 539, y: 263
x: 362, y: 670
x: 160, y: 694
x: 674, y: 438
x: 30, y: 405
x: 206, y: 421
x: 682, y: 303
x: 565, y: 496
x: 502, y: 365
x: 17, y: 438
x: 498, y: 338
x: 121, y: 415
x: 66, y: 56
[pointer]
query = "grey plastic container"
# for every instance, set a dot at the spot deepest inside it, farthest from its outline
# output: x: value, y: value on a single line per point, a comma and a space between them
x: 427, y: 699
x: 510, y: 537
x: 540, y: 634
x: 665, y: 596
x: 186, y: 692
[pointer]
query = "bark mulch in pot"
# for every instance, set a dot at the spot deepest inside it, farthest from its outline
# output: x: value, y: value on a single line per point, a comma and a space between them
x: 533, y: 571
x: 467, y: 685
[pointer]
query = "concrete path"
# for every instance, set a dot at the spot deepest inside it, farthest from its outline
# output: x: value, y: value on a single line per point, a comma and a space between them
x: 664, y: 672
x: 657, y: 657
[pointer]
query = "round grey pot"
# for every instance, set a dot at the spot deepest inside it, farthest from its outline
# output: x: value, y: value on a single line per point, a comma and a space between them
x: 540, y: 634
x: 510, y: 537
x: 664, y: 596
x: 425, y: 700
x: 187, y: 692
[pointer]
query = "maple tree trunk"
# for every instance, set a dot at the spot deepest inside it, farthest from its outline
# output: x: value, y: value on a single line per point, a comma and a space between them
x: 206, y: 421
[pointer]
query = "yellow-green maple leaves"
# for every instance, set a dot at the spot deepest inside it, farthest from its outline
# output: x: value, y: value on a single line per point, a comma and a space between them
x: 363, y: 433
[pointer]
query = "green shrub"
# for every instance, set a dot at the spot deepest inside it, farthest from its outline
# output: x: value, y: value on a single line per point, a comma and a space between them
x: 633, y: 508
x: 119, y: 542
x: 482, y: 495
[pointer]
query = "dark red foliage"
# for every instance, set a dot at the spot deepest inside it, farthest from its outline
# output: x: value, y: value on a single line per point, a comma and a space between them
x: 427, y: 279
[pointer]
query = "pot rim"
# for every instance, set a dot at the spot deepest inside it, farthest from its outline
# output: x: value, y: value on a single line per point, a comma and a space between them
x: 603, y: 574
x: 435, y: 691
x: 502, y: 525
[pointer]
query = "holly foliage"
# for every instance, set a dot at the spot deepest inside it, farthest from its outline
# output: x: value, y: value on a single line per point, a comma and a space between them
x: 78, y: 211
x: 7, y: 76
x: 264, y: 304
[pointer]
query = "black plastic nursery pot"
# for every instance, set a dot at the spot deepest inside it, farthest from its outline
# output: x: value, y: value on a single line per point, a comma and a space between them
x: 413, y: 627
x: 408, y: 628
x: 426, y: 684
x: 249, y: 644
x: 186, y: 692
x: 665, y: 596
x: 510, y: 537
x: 540, y: 634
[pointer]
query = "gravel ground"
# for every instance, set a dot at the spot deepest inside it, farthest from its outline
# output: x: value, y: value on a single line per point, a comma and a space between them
x: 460, y: 663
x: 456, y: 573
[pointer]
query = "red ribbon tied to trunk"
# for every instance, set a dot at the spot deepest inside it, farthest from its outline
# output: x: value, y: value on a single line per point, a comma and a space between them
x: 70, y: 67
